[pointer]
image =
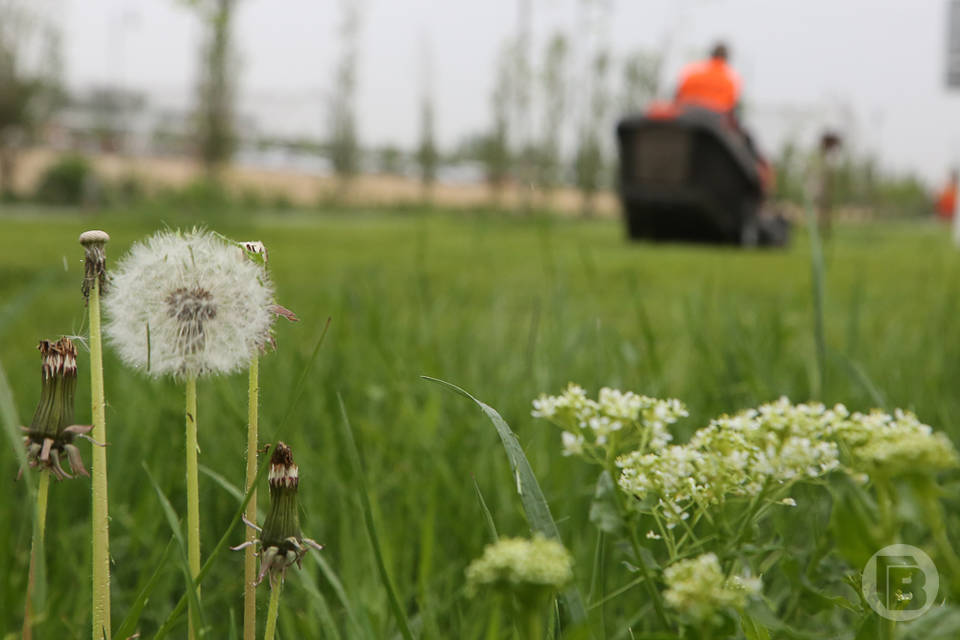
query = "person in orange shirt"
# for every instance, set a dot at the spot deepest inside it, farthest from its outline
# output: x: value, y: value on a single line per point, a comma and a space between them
x: 711, y: 83
x: 947, y: 199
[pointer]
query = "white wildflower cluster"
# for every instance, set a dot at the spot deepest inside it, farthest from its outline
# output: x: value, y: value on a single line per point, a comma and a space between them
x: 517, y: 564
x: 698, y: 587
x: 590, y: 426
x: 188, y: 303
x: 892, y: 445
x: 778, y: 444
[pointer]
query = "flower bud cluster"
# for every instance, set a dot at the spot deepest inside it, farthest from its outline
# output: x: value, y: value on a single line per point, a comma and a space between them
x: 616, y: 420
x: 517, y: 564
x: 698, y: 588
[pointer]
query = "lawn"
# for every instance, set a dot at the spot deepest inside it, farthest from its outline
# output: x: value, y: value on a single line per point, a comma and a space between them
x: 506, y: 308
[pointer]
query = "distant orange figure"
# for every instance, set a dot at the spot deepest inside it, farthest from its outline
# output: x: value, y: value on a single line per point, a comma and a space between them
x: 947, y: 199
x: 710, y: 83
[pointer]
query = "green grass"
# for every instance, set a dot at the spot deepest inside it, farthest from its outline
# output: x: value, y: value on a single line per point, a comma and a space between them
x: 502, y: 307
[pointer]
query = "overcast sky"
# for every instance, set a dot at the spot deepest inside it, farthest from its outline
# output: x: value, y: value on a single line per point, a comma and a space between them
x: 874, y: 67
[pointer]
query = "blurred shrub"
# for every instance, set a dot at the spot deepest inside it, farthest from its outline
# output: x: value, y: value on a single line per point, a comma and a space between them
x: 69, y: 181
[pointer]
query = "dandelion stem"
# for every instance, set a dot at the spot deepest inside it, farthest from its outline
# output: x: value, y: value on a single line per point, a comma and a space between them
x: 100, y: 518
x: 193, y: 492
x: 249, y: 560
x: 274, y: 611
x: 36, y: 548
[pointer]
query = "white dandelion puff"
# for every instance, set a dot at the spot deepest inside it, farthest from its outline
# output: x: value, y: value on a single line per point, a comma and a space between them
x: 188, y: 304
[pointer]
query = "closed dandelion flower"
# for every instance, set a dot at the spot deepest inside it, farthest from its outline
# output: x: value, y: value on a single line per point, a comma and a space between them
x: 51, y: 432
x: 188, y: 304
x: 281, y: 542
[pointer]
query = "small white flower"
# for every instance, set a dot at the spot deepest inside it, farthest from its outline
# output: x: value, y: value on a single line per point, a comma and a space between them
x: 653, y: 536
x: 188, y: 303
x: 790, y: 502
x: 572, y: 443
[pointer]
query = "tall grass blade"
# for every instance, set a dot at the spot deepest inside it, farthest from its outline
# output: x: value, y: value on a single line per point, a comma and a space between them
x: 817, y: 278
x: 338, y: 589
x: 174, y: 524
x: 531, y: 496
x: 487, y: 516
x: 129, y: 624
x: 264, y: 465
x: 11, y: 426
x: 357, y: 464
x: 298, y: 389
x: 221, y: 545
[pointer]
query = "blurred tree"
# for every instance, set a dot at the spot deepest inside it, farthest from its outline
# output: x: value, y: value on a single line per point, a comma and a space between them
x: 590, y: 161
x: 523, y: 143
x: 30, y: 86
x: 390, y: 160
x: 216, y: 88
x: 343, y: 145
x: 553, y: 84
x: 111, y: 108
x: 641, y: 80
x: 495, y: 146
x: 428, y: 158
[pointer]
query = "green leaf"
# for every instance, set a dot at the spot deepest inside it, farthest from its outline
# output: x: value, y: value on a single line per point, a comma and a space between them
x: 174, y: 524
x: 129, y: 624
x: 221, y: 545
x: 604, y: 513
x: 486, y: 513
x: 531, y: 496
x: 752, y: 629
x: 354, y: 455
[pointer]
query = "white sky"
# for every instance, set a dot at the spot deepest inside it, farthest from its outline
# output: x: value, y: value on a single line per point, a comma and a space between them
x: 805, y: 63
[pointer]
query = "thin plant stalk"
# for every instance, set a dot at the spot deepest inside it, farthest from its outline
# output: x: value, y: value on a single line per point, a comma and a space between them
x: 100, y: 518
x: 193, y: 492
x: 250, y: 560
x: 36, y: 548
x: 274, y: 611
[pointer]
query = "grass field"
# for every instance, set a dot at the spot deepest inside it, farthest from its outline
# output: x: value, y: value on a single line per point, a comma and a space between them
x: 505, y: 308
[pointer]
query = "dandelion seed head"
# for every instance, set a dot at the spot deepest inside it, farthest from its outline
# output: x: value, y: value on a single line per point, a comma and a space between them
x: 188, y: 303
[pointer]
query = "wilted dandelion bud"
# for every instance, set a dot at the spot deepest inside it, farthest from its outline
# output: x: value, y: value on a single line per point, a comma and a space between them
x: 532, y: 570
x: 256, y: 251
x: 188, y: 304
x: 699, y: 588
x: 95, y: 260
x: 281, y: 541
x: 51, y: 432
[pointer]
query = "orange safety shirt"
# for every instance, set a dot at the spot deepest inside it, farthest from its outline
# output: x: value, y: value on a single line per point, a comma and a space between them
x: 711, y: 84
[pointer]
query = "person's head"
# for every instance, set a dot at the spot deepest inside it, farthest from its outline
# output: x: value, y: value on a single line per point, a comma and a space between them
x: 720, y: 51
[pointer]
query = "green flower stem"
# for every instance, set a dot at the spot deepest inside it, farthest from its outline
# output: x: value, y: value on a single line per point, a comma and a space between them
x: 888, y: 526
x: 274, y: 611
x: 249, y: 559
x: 655, y: 596
x: 36, y: 548
x: 534, y: 625
x: 100, y: 518
x: 493, y: 626
x: 193, y: 491
x: 938, y: 527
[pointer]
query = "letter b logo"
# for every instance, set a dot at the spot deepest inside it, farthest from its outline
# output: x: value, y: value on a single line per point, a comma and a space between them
x: 900, y: 582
